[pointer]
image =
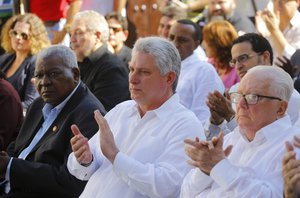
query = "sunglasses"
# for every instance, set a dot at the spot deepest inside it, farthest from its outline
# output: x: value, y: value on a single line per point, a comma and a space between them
x: 14, y: 34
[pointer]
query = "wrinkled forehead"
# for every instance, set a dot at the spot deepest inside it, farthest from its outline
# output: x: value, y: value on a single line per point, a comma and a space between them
x: 49, y: 62
x: 255, y: 83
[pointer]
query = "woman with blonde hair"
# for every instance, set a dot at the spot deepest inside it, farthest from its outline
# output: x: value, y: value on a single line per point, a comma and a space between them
x: 22, y: 37
x: 217, y: 42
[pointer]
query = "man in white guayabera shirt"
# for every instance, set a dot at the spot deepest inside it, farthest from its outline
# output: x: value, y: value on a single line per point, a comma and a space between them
x: 139, y: 150
x: 253, y: 167
x: 197, y: 78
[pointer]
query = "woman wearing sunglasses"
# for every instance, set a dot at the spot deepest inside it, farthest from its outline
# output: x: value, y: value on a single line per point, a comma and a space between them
x: 22, y: 37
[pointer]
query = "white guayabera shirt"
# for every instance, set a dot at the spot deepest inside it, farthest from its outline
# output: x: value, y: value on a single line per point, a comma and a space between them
x: 151, y: 161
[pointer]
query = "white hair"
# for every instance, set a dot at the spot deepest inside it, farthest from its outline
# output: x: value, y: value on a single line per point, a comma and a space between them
x: 64, y: 53
x: 166, y: 55
x: 94, y: 21
x: 281, y: 83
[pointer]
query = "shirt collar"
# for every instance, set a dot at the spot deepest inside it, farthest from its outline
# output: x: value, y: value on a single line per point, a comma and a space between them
x: 187, y: 60
x: 269, y: 132
x: 162, y: 111
x: 96, y: 55
x: 57, y: 109
x: 295, y: 21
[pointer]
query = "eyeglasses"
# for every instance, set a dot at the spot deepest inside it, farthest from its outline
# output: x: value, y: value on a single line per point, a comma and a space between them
x: 14, y: 34
x: 242, y: 59
x: 251, y: 99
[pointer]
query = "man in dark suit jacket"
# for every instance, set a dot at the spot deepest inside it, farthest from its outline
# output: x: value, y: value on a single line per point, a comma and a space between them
x: 36, y: 165
x: 104, y: 74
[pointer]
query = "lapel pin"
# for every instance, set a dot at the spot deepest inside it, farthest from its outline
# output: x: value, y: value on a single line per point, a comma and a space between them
x: 54, y: 129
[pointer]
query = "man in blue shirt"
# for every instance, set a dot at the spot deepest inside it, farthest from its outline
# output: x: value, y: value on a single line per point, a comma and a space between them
x: 36, y: 161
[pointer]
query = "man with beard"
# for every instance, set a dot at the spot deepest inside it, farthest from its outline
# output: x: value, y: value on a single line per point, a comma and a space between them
x: 226, y: 10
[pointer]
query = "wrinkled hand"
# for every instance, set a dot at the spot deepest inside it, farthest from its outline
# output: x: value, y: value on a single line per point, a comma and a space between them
x: 206, y: 154
x: 4, y: 160
x: 291, y: 172
x: 107, y: 141
x: 287, y: 66
x: 80, y: 147
x: 220, y: 107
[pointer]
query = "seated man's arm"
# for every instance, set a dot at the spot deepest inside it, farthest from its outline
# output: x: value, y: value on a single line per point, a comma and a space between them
x: 157, y: 167
x: 221, y: 115
x: 244, y: 181
x: 84, y: 160
x: 238, y: 181
x: 52, y: 176
x: 194, y: 183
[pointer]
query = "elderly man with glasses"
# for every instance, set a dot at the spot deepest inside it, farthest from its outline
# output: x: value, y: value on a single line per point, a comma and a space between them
x: 247, y: 51
x: 104, y: 74
x: 250, y: 164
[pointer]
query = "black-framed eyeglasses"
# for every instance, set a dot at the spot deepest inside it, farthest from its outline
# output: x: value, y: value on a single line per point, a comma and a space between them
x: 251, y: 99
x: 14, y: 34
x: 242, y: 59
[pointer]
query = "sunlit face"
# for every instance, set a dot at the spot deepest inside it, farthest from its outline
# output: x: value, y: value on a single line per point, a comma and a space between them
x: 53, y: 80
x: 164, y: 27
x: 255, y: 59
x: 117, y: 36
x: 18, y: 43
x: 182, y: 35
x: 147, y: 86
x: 220, y: 8
x: 251, y: 118
x: 83, y: 40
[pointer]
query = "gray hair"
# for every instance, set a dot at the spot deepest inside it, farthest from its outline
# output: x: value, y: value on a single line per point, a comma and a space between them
x: 64, y: 53
x: 281, y: 83
x: 94, y: 21
x: 166, y: 55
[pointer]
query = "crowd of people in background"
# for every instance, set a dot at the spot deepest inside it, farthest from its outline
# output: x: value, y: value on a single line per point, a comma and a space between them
x: 150, y: 98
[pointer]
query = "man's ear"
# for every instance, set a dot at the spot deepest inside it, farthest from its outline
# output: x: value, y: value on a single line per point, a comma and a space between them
x: 282, y: 109
x: 76, y: 74
x: 266, y: 57
x: 126, y: 34
x: 197, y: 43
x: 98, y: 35
x: 171, y: 76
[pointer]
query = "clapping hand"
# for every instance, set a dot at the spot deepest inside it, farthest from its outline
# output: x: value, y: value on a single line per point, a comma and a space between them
x: 206, y: 154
